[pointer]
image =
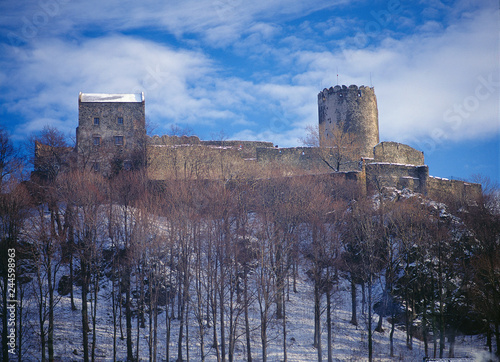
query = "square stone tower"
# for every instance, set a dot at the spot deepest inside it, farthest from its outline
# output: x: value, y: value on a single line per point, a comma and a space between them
x: 111, y: 131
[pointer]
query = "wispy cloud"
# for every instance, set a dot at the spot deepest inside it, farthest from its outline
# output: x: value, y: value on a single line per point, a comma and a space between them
x: 420, y: 78
x: 47, y: 84
x: 253, y: 68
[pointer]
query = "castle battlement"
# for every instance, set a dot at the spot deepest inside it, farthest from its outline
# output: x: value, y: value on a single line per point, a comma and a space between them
x: 344, y: 90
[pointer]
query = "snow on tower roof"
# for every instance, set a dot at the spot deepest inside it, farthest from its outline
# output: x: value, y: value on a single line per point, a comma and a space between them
x: 115, y: 97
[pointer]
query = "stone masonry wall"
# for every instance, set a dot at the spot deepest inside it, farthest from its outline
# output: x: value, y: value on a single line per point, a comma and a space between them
x: 356, y: 107
x: 133, y: 115
x: 400, y: 176
x: 307, y: 158
x: 394, y: 152
x: 245, y: 149
x: 100, y: 153
x: 441, y: 189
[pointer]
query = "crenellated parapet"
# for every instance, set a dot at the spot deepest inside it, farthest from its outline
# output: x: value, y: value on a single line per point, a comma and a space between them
x: 344, y: 91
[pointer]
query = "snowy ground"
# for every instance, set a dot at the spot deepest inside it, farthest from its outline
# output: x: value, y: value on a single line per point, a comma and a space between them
x: 350, y: 343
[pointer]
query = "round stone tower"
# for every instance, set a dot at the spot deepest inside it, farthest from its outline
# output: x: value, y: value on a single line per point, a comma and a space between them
x: 356, y: 108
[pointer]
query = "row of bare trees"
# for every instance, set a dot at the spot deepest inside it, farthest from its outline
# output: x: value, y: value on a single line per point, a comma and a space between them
x: 213, y: 263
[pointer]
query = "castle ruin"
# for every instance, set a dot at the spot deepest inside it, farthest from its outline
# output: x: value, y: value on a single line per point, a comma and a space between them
x: 111, y: 135
x: 381, y: 164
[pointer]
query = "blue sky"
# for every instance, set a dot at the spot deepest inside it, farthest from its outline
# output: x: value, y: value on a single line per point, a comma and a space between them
x: 253, y: 69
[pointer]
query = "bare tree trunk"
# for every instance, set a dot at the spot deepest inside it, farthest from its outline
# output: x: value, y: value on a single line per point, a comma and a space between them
x: 295, y: 267
x: 221, y: 316
x: 85, y: 316
x: 391, y: 335
x: 220, y: 286
x: 181, y: 331
x: 279, y: 280
x: 434, y: 335
x: 150, y: 324
x: 214, y: 320
x: 199, y: 299
x: 284, y: 330
x: 451, y: 339
x: 128, y: 314
x: 497, y: 337
x: 137, y: 336
x: 329, y: 324
x: 317, y: 320
x: 263, y: 329
x: 21, y: 318
x: 41, y: 313
x: 232, y: 317
x: 50, y: 339
x: 187, y: 331
x: 170, y: 304
x: 140, y: 307
x: 113, y: 301
x: 441, y: 308
x: 155, y: 338
x: 71, y: 243
x: 94, y: 313
x: 183, y: 301
x: 363, y: 298
x: 424, y: 326
x: 370, y: 339
x: 247, y: 324
x: 354, y: 318
x: 168, y: 320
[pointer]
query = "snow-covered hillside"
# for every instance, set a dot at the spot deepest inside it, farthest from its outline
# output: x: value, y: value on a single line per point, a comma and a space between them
x: 349, y: 342
x: 205, y: 272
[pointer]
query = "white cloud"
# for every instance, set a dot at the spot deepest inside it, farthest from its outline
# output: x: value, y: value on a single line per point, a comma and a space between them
x: 218, y: 22
x: 48, y: 84
x: 418, y: 79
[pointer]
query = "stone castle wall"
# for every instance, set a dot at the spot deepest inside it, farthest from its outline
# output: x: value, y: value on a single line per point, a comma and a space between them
x: 189, y: 158
x: 190, y: 161
x: 379, y: 175
x: 299, y: 157
x: 442, y: 189
x: 306, y: 158
x: 356, y: 108
x: 245, y: 149
x: 394, y: 152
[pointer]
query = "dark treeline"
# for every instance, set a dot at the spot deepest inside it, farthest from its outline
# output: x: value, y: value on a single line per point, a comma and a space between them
x: 227, y: 254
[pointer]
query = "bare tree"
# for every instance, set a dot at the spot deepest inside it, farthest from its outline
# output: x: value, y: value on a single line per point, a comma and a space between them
x: 338, y: 151
x: 366, y: 231
x: 48, y: 230
x: 52, y: 154
x: 10, y: 162
x: 85, y: 192
x: 14, y: 206
x: 483, y: 219
x: 322, y: 217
